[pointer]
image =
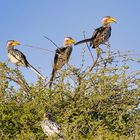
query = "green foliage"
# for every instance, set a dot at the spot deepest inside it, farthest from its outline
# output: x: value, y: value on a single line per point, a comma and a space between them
x: 103, y: 105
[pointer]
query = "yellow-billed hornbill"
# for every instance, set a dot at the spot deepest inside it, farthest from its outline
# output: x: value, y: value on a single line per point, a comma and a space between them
x: 62, y: 56
x: 18, y: 58
x: 101, y: 34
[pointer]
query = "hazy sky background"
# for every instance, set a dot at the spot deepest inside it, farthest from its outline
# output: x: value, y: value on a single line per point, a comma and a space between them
x: 28, y: 20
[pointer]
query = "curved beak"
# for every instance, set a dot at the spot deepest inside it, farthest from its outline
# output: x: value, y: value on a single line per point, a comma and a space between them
x: 72, y: 41
x: 16, y: 43
x: 112, y: 20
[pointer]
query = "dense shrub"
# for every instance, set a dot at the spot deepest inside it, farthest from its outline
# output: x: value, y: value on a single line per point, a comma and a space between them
x: 102, y: 105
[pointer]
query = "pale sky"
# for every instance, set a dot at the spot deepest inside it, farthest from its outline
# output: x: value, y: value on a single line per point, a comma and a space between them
x: 28, y: 20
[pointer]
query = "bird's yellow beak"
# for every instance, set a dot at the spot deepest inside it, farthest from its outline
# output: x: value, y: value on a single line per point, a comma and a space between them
x: 16, y: 43
x: 72, y: 41
x: 111, y: 19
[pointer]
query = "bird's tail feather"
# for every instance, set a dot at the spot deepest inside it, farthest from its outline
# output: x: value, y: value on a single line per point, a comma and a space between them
x: 52, y: 77
x: 83, y: 41
x: 36, y: 71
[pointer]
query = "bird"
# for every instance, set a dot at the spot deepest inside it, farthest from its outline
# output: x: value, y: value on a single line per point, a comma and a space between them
x: 49, y: 126
x: 102, y: 34
x: 18, y: 58
x: 62, y: 56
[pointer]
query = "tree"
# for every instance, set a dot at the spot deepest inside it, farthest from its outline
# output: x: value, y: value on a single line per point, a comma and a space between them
x: 101, y: 105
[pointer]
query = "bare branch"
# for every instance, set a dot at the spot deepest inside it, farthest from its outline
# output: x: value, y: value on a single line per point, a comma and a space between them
x: 51, y: 41
x: 98, y: 54
x: 94, y: 63
x: 88, y: 47
x: 26, y: 89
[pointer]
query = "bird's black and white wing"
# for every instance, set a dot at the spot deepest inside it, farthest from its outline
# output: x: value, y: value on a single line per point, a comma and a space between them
x: 62, y: 57
x: 17, y: 57
x: 100, y: 36
x: 95, y: 40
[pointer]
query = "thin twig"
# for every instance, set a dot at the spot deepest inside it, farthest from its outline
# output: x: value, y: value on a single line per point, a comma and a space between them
x: 95, y: 62
x: 88, y: 47
x: 51, y: 41
x: 35, y: 47
x: 26, y: 89
x: 98, y: 54
x: 91, y: 68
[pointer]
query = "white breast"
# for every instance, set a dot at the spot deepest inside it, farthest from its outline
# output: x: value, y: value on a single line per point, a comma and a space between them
x: 12, y: 59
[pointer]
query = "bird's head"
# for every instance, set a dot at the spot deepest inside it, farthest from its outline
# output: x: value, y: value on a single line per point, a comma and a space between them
x: 12, y: 43
x: 107, y: 20
x: 47, y: 115
x: 68, y: 41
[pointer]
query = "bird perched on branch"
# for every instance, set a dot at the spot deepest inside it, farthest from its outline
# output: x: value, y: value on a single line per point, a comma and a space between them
x: 49, y: 126
x: 101, y: 34
x: 62, y: 56
x: 18, y: 58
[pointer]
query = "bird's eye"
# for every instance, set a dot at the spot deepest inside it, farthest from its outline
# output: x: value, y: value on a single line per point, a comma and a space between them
x: 10, y: 43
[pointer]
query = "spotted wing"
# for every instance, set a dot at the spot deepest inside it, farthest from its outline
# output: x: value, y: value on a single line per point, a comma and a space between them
x: 18, y: 57
x: 95, y: 37
x: 100, y: 36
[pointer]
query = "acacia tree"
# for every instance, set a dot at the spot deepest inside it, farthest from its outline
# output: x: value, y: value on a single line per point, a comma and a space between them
x: 101, y: 104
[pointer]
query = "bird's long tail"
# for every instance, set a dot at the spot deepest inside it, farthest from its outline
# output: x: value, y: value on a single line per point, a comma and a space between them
x: 36, y: 71
x: 83, y: 41
x: 52, y: 77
